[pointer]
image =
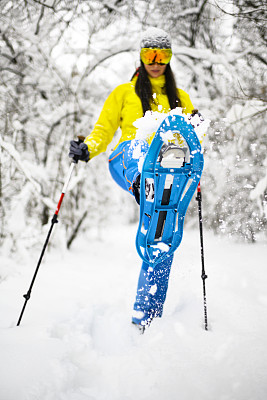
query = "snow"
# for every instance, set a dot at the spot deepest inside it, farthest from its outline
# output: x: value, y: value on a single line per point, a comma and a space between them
x: 150, y: 122
x: 76, y: 341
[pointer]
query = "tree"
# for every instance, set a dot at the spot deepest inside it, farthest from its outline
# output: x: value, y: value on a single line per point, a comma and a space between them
x: 45, y: 102
x: 241, y: 146
x: 56, y: 69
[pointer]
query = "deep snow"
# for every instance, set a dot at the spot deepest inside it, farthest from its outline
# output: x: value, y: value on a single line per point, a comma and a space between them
x: 76, y: 341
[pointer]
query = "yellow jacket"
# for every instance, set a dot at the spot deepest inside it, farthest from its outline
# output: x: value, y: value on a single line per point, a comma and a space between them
x: 123, y: 107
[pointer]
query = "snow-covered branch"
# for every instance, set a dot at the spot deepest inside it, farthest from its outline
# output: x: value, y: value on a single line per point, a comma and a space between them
x: 260, y: 188
x: 10, y: 149
x: 98, y: 62
x: 214, y: 58
x: 191, y: 11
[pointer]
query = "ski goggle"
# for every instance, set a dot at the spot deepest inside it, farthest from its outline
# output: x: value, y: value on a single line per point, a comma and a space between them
x: 152, y: 56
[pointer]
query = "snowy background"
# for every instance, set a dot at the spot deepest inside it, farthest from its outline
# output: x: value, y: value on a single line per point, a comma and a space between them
x: 59, y: 61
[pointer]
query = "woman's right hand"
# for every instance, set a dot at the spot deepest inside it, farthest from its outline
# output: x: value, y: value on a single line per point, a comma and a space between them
x: 79, y: 151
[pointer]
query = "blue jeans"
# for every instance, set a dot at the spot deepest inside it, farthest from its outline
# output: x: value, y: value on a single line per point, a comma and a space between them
x: 153, y: 283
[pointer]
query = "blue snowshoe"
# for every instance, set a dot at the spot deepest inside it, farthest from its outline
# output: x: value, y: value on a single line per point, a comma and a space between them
x: 169, y: 178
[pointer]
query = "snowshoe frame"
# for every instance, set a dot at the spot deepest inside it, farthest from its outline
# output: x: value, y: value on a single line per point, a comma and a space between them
x: 161, y: 221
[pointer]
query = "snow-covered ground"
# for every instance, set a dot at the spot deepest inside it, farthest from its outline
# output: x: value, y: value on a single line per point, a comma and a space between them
x: 76, y: 341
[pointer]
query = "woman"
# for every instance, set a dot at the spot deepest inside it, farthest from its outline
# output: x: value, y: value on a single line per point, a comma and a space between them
x: 152, y: 87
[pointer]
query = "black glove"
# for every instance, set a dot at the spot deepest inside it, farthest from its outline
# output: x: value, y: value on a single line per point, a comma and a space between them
x: 79, y: 151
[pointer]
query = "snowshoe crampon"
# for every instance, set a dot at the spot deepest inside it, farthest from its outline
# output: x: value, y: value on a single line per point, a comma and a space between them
x: 169, y: 178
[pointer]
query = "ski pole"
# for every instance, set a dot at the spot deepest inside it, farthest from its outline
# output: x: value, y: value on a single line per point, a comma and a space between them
x: 203, y: 273
x: 53, y: 222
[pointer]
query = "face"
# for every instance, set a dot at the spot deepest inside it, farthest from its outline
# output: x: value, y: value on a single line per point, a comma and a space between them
x: 155, y: 70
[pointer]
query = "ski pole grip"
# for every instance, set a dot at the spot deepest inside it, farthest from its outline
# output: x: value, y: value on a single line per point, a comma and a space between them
x: 81, y: 138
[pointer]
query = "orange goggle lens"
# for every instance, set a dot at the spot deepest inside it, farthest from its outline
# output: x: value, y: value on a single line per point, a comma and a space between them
x: 159, y: 56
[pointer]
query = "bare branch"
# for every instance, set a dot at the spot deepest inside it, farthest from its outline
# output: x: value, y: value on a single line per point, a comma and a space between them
x: 12, y: 59
x: 39, y: 20
x: 111, y: 7
x: 250, y: 116
x: 13, y: 71
x: 244, y: 14
x: 54, y: 125
x: 192, y: 11
x: 45, y: 5
x: 8, y: 43
x: 76, y: 229
x: 249, y: 96
x: 259, y: 57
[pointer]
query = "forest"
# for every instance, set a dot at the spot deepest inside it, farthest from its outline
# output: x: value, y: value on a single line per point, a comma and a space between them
x: 59, y: 61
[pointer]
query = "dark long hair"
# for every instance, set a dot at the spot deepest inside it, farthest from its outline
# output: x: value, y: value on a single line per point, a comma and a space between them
x: 144, y: 90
